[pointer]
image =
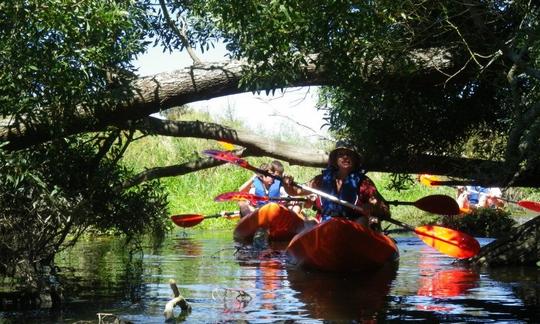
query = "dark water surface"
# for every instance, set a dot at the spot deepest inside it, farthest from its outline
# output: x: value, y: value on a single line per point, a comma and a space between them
x: 224, y: 285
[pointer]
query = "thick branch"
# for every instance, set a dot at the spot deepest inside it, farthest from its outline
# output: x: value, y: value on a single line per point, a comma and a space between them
x: 172, y: 89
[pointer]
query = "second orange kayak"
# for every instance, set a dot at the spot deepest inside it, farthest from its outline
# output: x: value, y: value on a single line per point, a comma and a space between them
x: 282, y: 224
x: 342, y: 245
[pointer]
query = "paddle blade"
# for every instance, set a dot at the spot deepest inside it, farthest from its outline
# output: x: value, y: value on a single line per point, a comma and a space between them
x: 438, y: 204
x: 427, y: 180
x: 448, y: 241
x: 227, y: 157
x: 226, y: 145
x: 239, y: 196
x: 531, y: 205
x: 187, y: 220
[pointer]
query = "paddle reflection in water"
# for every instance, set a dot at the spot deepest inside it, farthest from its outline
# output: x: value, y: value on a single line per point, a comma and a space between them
x: 436, y: 281
x: 338, y: 296
x: 188, y: 247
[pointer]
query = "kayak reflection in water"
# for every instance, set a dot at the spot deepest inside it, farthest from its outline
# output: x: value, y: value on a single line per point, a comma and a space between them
x: 344, y: 179
x: 361, y: 296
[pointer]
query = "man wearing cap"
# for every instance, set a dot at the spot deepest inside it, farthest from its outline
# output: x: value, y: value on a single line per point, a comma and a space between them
x: 344, y: 179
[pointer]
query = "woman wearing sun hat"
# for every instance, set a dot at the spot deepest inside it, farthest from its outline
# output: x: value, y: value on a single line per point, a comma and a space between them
x: 344, y: 179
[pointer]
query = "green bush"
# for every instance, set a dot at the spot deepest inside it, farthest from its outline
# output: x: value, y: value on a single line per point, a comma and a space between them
x: 483, y: 222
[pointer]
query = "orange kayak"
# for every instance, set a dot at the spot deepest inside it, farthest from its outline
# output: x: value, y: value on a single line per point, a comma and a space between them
x: 282, y: 224
x: 341, y: 245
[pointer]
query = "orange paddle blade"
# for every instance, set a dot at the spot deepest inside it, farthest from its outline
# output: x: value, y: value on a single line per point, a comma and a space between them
x: 532, y: 205
x: 226, y: 145
x: 449, y: 241
x: 428, y: 180
x: 187, y: 220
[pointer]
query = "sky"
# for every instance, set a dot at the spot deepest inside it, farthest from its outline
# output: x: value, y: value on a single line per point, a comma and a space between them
x: 295, y: 108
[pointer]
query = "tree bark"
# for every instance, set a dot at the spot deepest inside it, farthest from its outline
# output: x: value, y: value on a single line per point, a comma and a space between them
x: 519, y: 248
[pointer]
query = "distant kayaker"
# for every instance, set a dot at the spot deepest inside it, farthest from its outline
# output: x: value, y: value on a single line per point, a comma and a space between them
x: 477, y: 196
x: 344, y: 179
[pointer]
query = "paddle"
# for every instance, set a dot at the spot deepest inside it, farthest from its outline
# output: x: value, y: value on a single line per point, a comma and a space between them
x: 190, y: 220
x: 238, y: 196
x: 436, y: 204
x: 434, y: 181
x: 445, y: 240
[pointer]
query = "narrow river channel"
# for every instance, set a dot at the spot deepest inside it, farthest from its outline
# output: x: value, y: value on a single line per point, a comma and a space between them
x: 225, y: 284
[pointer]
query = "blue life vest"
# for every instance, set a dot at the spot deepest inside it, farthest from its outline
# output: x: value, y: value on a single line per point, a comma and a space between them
x: 273, y: 191
x: 349, y: 192
x: 474, y: 194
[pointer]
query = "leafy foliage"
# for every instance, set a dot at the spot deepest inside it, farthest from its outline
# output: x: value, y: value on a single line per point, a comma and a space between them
x: 483, y: 222
x: 52, y: 194
x: 61, y: 58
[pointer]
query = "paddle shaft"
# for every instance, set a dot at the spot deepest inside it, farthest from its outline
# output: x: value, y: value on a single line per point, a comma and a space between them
x: 337, y: 200
x: 222, y: 214
x: 306, y: 188
x: 285, y: 198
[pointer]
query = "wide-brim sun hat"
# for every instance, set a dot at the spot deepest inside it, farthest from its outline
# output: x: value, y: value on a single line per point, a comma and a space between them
x: 347, y: 146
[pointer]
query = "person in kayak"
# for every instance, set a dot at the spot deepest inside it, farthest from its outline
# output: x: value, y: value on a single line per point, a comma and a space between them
x: 344, y: 179
x: 262, y: 185
x: 477, y: 196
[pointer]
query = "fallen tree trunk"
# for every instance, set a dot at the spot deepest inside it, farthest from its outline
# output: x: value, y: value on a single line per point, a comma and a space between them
x: 520, y: 248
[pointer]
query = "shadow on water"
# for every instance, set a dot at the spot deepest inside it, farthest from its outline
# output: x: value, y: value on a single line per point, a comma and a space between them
x: 226, y: 284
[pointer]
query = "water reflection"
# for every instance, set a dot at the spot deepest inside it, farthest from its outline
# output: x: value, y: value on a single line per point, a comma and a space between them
x: 427, y: 286
x: 334, y: 296
x: 436, y: 280
x: 187, y: 246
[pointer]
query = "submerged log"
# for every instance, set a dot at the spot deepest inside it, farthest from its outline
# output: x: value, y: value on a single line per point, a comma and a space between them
x: 520, y: 248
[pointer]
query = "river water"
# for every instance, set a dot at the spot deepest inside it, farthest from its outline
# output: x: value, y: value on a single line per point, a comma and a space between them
x: 226, y: 283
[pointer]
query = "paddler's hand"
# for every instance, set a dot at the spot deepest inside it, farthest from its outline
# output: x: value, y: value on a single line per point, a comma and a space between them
x: 377, y: 208
x: 310, y: 201
x: 287, y: 179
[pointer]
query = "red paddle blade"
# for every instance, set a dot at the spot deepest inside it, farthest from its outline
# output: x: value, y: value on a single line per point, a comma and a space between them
x: 532, y: 205
x: 438, y: 204
x: 239, y: 196
x: 187, y: 220
x: 448, y: 241
x: 227, y: 156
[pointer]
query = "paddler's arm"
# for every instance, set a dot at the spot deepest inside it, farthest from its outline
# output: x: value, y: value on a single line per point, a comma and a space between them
x: 372, y: 201
x: 297, y: 191
x: 247, y: 185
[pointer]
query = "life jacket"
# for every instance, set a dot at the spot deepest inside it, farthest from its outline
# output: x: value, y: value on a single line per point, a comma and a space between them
x: 474, y: 194
x: 350, y: 192
x: 260, y: 190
